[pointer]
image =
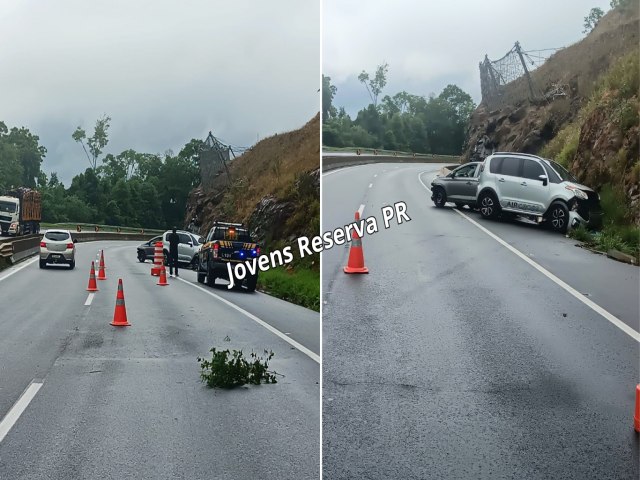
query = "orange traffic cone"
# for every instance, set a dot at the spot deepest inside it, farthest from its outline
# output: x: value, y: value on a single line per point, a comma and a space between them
x: 636, y: 418
x: 93, y: 286
x: 102, y: 275
x: 120, y: 314
x: 162, y: 281
x: 356, y: 255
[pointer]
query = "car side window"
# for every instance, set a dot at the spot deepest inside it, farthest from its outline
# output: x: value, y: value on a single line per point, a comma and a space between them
x: 532, y: 170
x: 495, y: 165
x: 184, y: 238
x: 465, y: 171
x: 511, y: 166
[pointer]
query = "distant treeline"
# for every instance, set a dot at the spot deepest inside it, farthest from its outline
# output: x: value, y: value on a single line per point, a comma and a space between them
x: 404, y: 122
x: 131, y: 189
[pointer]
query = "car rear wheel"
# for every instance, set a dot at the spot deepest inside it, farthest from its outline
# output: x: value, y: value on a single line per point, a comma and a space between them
x: 141, y: 256
x: 211, y: 280
x: 489, y: 206
x: 72, y: 265
x: 251, y: 283
x: 439, y: 197
x: 43, y: 264
x: 559, y: 217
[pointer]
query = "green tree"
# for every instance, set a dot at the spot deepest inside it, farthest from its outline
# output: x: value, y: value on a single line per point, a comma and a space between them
x: 591, y: 20
x: 375, y: 85
x: 328, y: 92
x: 97, y: 142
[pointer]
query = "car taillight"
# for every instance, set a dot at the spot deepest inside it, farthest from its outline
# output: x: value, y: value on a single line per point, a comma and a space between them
x: 69, y: 245
x: 216, y: 247
x: 258, y: 250
x: 43, y: 245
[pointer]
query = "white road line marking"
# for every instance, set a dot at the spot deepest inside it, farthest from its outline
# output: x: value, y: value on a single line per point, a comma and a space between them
x: 361, y: 210
x: 275, y: 331
x: 330, y: 172
x: 370, y: 185
x: 18, y: 408
x: 89, y: 299
x: 16, y: 270
x: 594, y: 306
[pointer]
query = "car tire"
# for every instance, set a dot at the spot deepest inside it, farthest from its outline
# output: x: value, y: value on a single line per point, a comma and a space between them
x: 201, y: 277
x: 211, y: 280
x: 439, y: 197
x: 195, y: 262
x: 72, y: 265
x: 252, y: 282
x: 141, y: 256
x: 489, y: 205
x: 558, y: 217
x: 43, y: 264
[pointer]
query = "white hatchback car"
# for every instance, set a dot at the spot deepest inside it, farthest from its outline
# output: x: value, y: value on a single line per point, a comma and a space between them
x: 57, y: 247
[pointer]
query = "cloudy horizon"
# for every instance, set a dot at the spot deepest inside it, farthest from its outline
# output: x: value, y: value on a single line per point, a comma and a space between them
x: 164, y: 72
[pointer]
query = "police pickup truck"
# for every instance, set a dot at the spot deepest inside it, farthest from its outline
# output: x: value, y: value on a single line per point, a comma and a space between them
x: 227, y: 243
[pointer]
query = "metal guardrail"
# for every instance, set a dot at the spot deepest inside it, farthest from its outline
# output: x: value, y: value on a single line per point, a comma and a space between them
x: 16, y: 249
x: 330, y: 162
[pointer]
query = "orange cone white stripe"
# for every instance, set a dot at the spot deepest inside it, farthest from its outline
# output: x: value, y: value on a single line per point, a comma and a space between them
x: 93, y: 286
x: 356, y: 255
x: 120, y: 313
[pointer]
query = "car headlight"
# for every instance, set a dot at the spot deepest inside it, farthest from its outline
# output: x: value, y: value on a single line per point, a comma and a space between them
x: 577, y: 192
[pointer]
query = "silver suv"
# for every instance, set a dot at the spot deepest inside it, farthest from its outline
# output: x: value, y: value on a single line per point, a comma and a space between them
x: 536, y: 188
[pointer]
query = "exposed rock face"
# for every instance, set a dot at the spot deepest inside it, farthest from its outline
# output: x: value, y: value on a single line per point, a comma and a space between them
x: 607, y: 155
x: 525, y: 127
x: 268, y: 219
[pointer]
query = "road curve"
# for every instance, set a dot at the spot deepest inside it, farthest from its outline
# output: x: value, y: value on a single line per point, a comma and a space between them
x: 128, y: 403
x: 455, y: 358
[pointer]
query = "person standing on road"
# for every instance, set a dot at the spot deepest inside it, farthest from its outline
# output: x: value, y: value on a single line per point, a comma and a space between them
x: 174, y: 239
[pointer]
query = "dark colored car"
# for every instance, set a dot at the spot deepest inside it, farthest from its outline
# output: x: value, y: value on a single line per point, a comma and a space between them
x: 460, y: 186
x: 146, y: 250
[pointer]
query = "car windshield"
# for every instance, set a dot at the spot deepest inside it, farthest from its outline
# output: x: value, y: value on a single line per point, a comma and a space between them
x: 562, y: 172
x: 56, y: 236
x: 8, y: 207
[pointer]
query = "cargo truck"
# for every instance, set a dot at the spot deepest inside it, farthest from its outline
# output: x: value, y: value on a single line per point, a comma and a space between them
x: 20, y: 212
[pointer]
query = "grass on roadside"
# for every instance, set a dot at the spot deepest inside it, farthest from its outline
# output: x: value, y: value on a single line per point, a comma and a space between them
x: 299, y: 285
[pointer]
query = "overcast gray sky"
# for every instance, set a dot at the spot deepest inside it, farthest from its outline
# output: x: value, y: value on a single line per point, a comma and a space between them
x: 429, y: 44
x: 165, y: 71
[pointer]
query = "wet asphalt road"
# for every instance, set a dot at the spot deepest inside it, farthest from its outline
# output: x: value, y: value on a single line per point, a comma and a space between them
x: 128, y: 403
x: 454, y: 358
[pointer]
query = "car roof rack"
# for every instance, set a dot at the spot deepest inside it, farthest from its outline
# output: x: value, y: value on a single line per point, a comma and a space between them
x: 517, y: 153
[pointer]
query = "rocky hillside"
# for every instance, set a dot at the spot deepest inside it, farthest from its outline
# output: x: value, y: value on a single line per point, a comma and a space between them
x: 593, y: 129
x: 274, y: 188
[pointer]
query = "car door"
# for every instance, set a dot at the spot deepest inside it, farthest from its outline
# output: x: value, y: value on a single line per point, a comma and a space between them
x: 533, y: 192
x: 185, y: 248
x: 469, y: 188
x: 508, y: 181
x: 149, y: 247
x: 458, y: 186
